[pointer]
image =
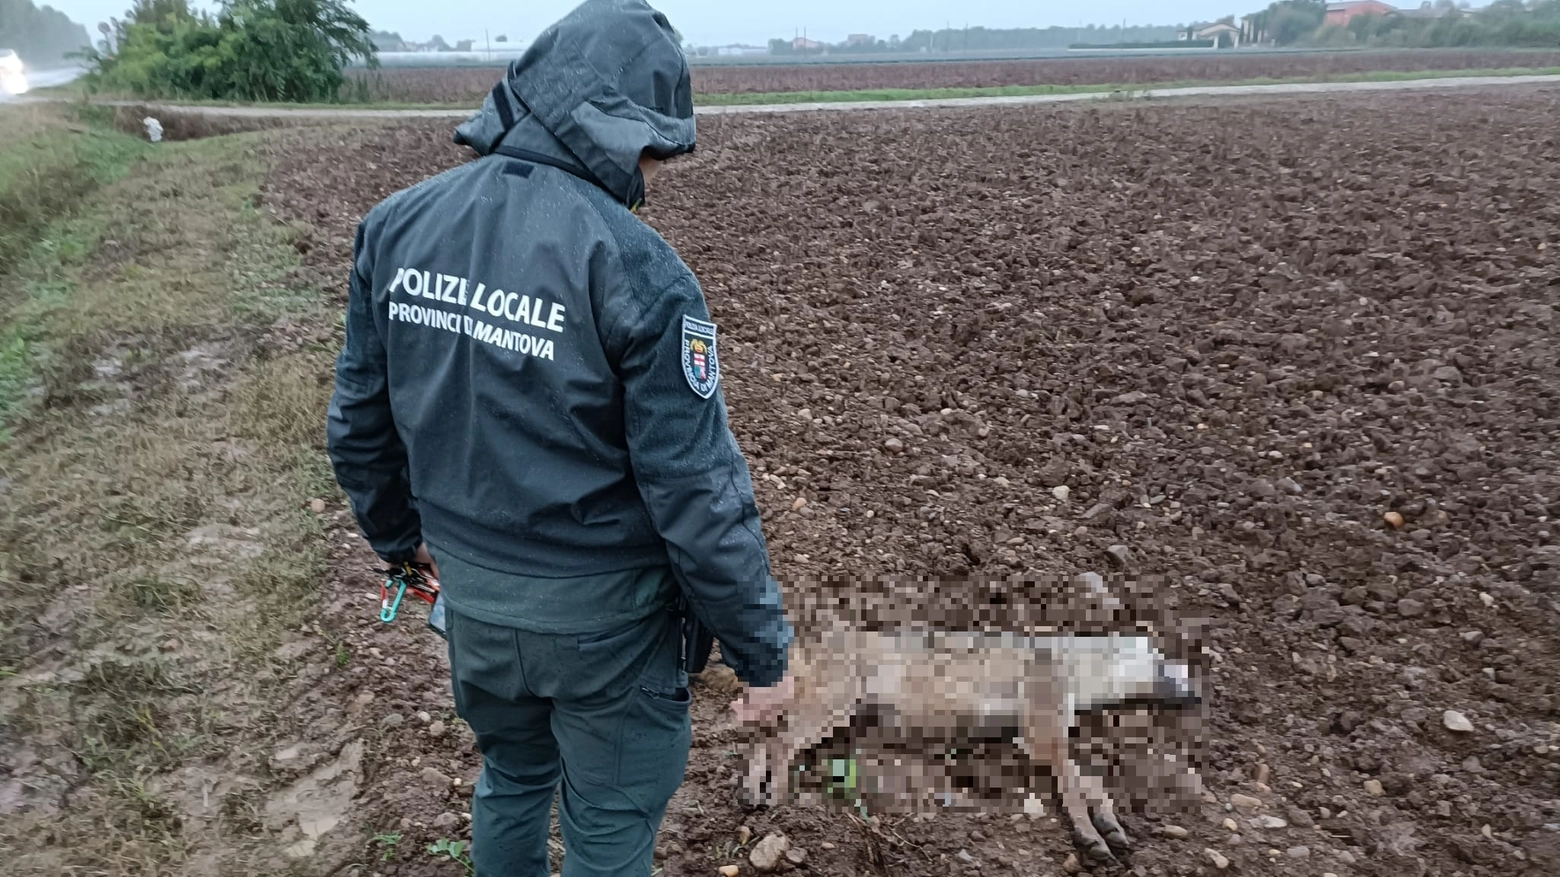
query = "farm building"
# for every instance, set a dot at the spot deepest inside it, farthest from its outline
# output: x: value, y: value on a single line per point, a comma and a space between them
x: 1223, y: 34
x: 1428, y: 10
x: 1340, y: 14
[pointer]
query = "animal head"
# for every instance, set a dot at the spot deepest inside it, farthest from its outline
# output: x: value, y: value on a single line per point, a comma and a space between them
x: 1110, y: 671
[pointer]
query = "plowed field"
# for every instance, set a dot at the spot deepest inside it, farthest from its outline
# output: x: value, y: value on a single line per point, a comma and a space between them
x: 1240, y: 335
x: 470, y: 85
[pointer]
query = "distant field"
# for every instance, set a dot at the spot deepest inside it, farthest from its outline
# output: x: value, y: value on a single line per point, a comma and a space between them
x: 468, y: 85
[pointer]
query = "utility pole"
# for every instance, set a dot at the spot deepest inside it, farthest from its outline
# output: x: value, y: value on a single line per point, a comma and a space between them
x: 488, y: 39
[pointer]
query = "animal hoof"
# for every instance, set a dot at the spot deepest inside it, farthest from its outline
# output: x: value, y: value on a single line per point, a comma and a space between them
x: 1098, y: 852
x: 1113, y: 833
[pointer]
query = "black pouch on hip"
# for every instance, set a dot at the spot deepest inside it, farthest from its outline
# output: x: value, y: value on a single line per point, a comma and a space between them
x: 697, y: 640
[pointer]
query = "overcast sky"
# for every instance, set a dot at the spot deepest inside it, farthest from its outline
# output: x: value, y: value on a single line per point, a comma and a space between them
x: 715, y: 22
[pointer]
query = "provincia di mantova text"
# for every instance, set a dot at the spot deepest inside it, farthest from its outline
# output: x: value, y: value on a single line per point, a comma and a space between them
x: 516, y: 308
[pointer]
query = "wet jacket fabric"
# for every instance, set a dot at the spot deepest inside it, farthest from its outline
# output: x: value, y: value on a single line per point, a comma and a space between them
x: 530, y: 378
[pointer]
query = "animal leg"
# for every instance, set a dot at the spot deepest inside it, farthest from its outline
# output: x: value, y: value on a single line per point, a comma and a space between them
x: 1104, y: 811
x: 769, y: 773
x: 751, y: 794
x: 1045, y: 743
x: 1070, y: 786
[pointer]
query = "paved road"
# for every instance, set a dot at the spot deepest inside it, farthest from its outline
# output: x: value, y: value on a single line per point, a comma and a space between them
x: 345, y: 113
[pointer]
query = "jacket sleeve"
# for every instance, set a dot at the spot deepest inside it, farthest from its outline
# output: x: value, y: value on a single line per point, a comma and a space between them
x: 365, y: 450
x: 697, y: 487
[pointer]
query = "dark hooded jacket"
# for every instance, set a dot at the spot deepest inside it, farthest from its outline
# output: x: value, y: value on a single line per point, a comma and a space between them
x: 530, y: 381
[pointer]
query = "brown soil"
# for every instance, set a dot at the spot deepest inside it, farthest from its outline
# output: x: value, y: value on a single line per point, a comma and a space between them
x: 470, y: 85
x: 1239, y: 334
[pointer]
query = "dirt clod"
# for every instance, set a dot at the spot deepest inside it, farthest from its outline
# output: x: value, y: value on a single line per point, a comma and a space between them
x: 769, y: 852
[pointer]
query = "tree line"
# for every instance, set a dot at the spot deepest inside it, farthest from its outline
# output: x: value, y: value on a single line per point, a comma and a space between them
x: 984, y: 39
x: 42, y: 36
x: 248, y: 50
x: 1435, y: 24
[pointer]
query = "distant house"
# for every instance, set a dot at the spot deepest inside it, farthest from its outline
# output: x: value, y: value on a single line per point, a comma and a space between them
x: 1340, y: 14
x: 1222, y: 34
x: 860, y: 39
x: 385, y: 41
x: 1427, y: 10
x: 803, y: 44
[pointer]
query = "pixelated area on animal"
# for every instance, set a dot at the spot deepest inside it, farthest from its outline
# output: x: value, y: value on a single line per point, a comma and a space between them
x: 911, y: 695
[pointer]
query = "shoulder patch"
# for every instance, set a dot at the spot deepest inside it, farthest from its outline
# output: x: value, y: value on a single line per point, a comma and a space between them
x: 701, y: 364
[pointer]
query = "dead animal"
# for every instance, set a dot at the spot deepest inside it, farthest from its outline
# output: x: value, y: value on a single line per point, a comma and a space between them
x: 967, y: 686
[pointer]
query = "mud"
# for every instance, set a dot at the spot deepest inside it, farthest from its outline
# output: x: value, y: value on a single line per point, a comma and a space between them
x: 1238, y: 335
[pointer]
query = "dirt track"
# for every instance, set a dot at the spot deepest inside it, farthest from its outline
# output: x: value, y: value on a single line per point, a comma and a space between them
x: 1238, y: 335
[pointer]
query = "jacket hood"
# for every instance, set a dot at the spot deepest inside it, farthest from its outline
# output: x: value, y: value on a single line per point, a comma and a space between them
x: 604, y: 85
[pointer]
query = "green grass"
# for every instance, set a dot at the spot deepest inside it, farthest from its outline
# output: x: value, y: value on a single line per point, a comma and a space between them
x: 54, y: 161
x: 158, y: 479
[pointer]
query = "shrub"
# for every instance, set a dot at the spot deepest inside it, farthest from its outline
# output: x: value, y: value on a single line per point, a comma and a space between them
x: 251, y: 50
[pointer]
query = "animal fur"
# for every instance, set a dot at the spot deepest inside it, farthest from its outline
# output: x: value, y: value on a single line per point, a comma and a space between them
x: 969, y: 686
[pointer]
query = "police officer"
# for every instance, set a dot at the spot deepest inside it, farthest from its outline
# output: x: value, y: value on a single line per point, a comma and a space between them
x: 529, y: 400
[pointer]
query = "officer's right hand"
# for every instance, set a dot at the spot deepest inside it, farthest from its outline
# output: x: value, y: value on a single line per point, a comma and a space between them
x: 761, y: 706
x: 425, y: 559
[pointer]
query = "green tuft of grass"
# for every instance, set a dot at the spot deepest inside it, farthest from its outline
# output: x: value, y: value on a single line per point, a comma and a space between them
x: 153, y: 592
x: 454, y: 851
x: 387, y: 844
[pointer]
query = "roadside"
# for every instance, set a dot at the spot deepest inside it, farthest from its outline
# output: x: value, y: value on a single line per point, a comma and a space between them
x: 164, y: 371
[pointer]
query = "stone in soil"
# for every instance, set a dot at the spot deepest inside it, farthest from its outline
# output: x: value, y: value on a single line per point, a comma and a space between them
x: 768, y: 853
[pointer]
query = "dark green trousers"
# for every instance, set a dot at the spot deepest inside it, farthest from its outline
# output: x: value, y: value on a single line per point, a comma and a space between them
x: 605, y: 713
